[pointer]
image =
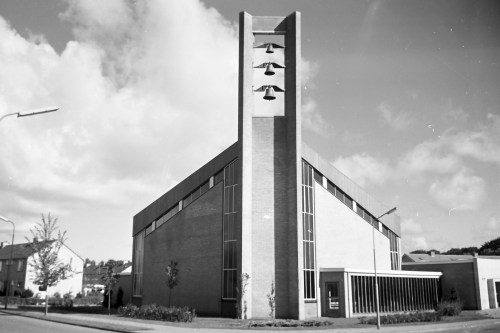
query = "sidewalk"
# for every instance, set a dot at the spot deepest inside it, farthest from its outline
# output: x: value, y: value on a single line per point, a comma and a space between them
x: 128, y: 325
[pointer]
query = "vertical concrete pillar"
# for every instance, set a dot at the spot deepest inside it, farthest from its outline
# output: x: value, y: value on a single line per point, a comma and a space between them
x: 270, y: 240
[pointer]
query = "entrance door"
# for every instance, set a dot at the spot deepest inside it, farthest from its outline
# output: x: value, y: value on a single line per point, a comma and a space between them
x: 332, y: 299
x: 497, y: 288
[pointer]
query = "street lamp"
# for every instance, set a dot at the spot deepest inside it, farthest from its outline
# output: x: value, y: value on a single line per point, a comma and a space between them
x: 11, y: 255
x: 375, y: 264
x: 31, y: 112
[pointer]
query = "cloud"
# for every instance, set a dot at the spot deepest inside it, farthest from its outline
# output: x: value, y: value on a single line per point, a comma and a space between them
x: 398, y: 121
x: 364, y: 169
x: 142, y: 106
x: 148, y: 94
x: 313, y: 121
x: 413, y: 236
x: 482, y: 144
x: 429, y: 157
x: 462, y: 191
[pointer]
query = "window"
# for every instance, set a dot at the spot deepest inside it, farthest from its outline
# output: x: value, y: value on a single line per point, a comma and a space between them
x: 1, y: 263
x: 347, y: 201
x: 318, y: 177
x: 138, y: 263
x: 229, y: 245
x: 309, y: 251
x: 150, y: 228
x: 394, y: 251
x: 219, y: 177
x: 204, y: 187
x: 20, y: 264
x: 187, y: 200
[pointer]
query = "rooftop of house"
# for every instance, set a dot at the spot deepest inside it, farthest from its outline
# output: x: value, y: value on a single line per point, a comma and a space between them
x: 99, y: 269
x: 20, y: 251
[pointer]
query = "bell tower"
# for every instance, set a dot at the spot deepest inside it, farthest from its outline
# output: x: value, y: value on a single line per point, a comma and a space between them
x: 269, y: 138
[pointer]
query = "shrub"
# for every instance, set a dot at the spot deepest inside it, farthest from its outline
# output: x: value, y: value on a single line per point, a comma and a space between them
x: 289, y: 323
x: 88, y: 300
x: 158, y: 312
x: 399, y: 318
x: 27, y: 293
x: 450, y: 308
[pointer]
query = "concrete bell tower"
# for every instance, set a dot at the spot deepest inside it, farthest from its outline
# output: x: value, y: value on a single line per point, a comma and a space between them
x: 269, y: 139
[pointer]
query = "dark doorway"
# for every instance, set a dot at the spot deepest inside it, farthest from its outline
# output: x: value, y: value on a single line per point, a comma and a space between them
x: 332, y: 299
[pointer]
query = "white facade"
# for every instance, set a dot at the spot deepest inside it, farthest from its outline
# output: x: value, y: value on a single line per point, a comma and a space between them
x: 72, y: 284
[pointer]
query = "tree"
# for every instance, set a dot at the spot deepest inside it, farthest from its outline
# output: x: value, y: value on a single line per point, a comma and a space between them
x: 109, y: 279
x: 464, y: 250
x: 491, y: 248
x: 48, y: 268
x: 172, y: 278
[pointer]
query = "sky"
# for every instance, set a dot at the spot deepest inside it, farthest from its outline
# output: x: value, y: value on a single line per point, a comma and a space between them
x: 402, y: 96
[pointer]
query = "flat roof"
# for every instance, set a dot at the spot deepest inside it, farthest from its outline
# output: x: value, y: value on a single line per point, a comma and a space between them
x: 392, y: 273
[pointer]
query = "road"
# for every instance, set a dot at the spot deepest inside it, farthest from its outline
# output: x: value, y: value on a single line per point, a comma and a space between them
x: 17, y: 324
x: 492, y: 328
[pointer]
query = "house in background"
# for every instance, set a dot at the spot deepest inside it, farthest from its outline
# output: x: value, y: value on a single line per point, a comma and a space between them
x: 92, y: 275
x: 473, y: 279
x: 22, y: 274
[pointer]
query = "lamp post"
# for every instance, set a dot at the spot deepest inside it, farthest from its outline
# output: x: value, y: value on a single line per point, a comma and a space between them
x: 375, y: 264
x: 31, y: 112
x: 11, y: 255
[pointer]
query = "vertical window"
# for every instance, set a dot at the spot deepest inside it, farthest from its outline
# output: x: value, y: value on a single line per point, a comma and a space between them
x: 1, y: 262
x: 19, y: 265
x: 230, y: 257
x: 308, y: 232
x: 138, y: 263
x: 394, y: 251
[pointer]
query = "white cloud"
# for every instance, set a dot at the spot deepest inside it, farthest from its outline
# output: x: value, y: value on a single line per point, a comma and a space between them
x: 482, y: 144
x: 413, y: 236
x: 429, y: 157
x: 396, y: 120
x: 142, y: 106
x: 313, y: 121
x: 364, y: 169
x: 462, y: 191
x: 148, y: 94
x: 409, y: 226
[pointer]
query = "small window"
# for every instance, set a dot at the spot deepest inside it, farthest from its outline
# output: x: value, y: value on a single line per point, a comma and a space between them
x: 318, y: 177
x: 360, y: 210
x: 367, y: 217
x: 204, y: 187
x: 339, y: 194
x: 150, y: 228
x: 20, y: 265
x: 1, y: 262
x: 174, y: 210
x: 348, y: 201
x: 330, y: 187
x: 218, y: 177
x: 195, y: 194
x: 187, y: 200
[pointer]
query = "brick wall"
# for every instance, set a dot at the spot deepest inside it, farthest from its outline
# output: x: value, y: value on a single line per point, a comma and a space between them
x: 193, y: 238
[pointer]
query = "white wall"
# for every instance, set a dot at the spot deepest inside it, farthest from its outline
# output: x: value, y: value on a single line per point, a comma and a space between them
x: 486, y: 269
x: 72, y: 284
x: 343, y: 238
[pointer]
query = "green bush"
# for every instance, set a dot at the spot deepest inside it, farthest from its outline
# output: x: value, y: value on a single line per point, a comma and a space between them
x: 399, y: 318
x: 158, y: 312
x: 450, y: 308
x: 289, y: 323
x: 88, y: 300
